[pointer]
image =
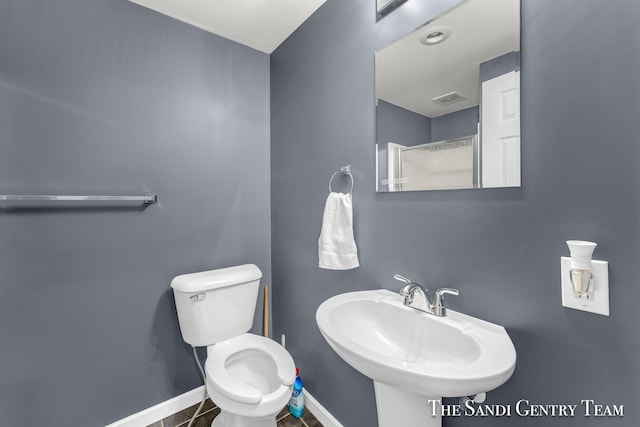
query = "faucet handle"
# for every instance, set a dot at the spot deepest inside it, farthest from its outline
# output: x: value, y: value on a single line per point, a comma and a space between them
x: 407, y: 284
x: 438, y: 306
x: 402, y: 279
x: 440, y: 292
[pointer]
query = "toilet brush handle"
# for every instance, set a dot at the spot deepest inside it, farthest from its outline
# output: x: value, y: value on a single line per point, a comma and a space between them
x: 266, y: 311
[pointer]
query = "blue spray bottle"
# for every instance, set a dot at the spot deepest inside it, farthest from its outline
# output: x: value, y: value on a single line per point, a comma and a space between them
x: 296, y: 403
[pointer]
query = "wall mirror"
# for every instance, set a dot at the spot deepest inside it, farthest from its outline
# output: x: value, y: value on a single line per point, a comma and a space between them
x: 448, y: 102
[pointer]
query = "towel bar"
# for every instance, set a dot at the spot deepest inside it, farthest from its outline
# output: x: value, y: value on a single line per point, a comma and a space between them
x: 146, y: 199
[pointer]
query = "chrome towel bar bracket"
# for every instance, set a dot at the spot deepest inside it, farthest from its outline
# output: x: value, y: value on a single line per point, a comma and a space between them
x: 344, y: 170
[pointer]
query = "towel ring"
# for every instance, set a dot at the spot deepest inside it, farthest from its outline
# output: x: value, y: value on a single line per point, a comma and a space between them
x: 345, y: 170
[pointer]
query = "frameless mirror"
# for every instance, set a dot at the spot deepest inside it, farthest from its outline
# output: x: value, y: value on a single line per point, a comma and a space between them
x: 448, y: 102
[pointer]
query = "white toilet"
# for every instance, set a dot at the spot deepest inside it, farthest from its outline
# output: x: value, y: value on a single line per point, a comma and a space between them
x: 248, y: 376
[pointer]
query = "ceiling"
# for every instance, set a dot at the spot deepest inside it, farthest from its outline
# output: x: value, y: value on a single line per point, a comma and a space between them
x: 410, y: 74
x: 260, y: 24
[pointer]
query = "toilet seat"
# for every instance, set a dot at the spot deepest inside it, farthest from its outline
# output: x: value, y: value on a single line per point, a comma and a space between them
x: 224, y: 383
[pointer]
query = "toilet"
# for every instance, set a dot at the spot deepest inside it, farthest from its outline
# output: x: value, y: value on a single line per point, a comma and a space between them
x: 248, y: 376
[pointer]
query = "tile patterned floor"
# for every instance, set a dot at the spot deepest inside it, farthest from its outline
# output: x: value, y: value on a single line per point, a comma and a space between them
x: 210, y: 411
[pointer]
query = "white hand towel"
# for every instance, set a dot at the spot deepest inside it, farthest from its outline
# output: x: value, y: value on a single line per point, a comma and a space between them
x: 336, y: 246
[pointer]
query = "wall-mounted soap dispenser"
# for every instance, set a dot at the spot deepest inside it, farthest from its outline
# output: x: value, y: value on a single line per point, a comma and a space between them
x: 585, y: 282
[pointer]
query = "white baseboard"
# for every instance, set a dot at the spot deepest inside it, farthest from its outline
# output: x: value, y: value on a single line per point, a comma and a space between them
x: 321, y: 414
x: 178, y: 403
x: 161, y: 410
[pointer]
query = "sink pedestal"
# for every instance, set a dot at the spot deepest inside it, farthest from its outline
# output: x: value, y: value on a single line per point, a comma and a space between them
x: 397, y: 407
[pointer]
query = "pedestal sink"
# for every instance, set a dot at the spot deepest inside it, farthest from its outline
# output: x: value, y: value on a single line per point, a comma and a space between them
x: 414, y: 357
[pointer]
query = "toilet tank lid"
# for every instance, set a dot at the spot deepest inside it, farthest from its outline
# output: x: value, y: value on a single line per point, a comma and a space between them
x: 212, y: 279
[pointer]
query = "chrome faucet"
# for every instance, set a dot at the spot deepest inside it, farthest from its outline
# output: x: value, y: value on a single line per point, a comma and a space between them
x: 417, y: 296
x: 438, y: 306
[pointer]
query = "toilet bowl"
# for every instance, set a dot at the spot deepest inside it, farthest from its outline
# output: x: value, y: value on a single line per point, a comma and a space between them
x: 248, y: 376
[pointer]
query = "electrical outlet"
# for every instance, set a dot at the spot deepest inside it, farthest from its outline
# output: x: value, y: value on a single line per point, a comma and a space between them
x: 599, y: 304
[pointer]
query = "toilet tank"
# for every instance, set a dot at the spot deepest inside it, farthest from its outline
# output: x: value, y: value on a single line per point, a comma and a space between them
x: 216, y: 305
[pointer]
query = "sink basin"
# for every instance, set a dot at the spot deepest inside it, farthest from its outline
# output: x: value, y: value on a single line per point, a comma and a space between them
x: 415, y: 352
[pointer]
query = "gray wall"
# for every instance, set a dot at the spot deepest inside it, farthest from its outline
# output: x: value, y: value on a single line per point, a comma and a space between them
x: 401, y: 126
x: 107, y: 97
x: 404, y: 127
x: 455, y: 125
x: 500, y: 247
x: 498, y: 66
